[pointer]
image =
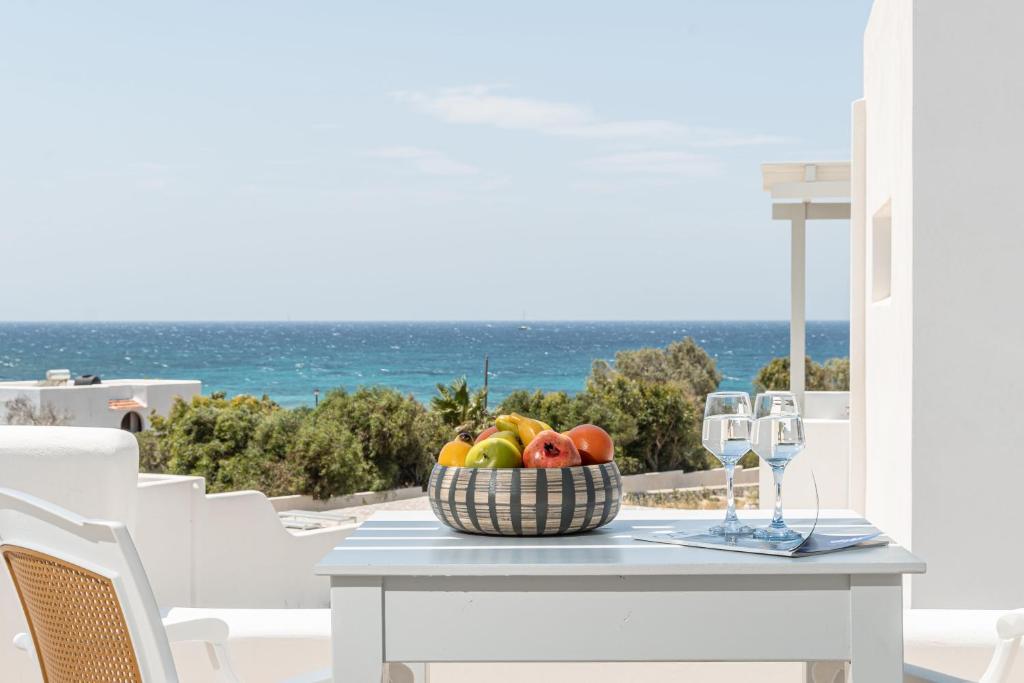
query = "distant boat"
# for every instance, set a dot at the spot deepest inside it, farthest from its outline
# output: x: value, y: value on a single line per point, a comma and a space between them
x: 524, y: 326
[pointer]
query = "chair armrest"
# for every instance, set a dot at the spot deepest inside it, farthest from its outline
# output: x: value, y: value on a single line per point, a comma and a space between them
x: 206, y: 629
x: 213, y: 632
x: 23, y: 642
x: 1011, y: 625
x: 918, y: 674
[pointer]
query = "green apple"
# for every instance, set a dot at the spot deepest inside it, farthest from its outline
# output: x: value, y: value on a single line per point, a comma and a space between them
x: 494, y: 452
x: 511, y: 437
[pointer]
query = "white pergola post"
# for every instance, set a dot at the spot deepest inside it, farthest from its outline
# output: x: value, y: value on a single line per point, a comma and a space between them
x: 858, y: 297
x: 798, y: 302
x: 804, y: 182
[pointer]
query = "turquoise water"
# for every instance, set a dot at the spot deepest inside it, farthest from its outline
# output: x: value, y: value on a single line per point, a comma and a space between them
x: 288, y: 360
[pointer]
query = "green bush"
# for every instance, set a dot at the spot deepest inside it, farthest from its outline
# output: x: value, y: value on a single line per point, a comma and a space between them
x: 650, y: 402
x: 372, y: 438
x: 834, y: 375
x: 655, y: 423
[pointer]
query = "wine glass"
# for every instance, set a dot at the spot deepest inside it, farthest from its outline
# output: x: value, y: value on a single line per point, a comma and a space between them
x: 777, y: 437
x: 726, y: 433
x: 775, y: 403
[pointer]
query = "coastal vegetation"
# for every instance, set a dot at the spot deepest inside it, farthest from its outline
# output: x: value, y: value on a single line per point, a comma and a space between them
x: 649, y: 400
x: 832, y: 375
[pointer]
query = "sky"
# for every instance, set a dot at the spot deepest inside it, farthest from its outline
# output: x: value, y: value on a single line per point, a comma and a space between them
x: 322, y: 160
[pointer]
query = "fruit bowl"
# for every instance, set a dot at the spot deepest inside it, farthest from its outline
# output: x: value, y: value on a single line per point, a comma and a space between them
x: 519, y: 501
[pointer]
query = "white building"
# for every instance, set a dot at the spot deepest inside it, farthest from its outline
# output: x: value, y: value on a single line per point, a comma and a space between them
x: 95, y: 402
x: 937, y: 359
x: 937, y: 219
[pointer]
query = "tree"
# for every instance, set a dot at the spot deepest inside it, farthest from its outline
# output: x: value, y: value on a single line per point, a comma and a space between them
x: 151, y: 456
x: 329, y: 461
x: 834, y: 375
x: 21, y: 411
x: 682, y: 363
x: 372, y: 438
x: 654, y: 424
x: 199, y: 436
x: 458, y: 407
x: 396, y: 433
x: 378, y: 438
x: 268, y: 462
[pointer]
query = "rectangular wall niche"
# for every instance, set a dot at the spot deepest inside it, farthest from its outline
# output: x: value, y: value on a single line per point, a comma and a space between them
x: 881, y: 253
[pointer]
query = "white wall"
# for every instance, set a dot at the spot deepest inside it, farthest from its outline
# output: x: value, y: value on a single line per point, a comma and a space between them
x: 827, y: 456
x: 88, y: 405
x: 945, y: 353
x: 968, y: 322
x: 226, y: 549
x: 888, y: 378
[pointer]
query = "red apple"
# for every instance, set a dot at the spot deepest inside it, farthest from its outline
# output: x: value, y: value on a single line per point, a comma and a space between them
x: 486, y: 433
x: 551, y: 449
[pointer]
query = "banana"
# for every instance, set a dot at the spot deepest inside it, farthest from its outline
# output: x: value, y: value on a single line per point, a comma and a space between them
x: 528, y: 427
x: 505, y: 423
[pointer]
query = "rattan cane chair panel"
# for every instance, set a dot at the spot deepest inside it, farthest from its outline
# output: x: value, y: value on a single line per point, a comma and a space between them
x: 76, y: 620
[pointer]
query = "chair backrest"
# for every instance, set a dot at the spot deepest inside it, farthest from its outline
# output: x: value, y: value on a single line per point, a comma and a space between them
x: 1010, y: 629
x: 88, y: 470
x: 90, y: 610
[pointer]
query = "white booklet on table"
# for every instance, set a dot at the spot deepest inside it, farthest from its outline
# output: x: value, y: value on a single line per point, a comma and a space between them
x: 810, y: 544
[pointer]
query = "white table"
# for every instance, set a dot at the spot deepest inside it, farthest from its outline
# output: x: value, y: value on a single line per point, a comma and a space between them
x: 405, y: 588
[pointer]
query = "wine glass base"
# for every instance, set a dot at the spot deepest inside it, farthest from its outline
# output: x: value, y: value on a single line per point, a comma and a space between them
x: 775, y: 535
x: 730, y: 530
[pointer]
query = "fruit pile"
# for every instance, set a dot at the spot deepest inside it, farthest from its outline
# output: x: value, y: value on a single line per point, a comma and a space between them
x: 517, y: 441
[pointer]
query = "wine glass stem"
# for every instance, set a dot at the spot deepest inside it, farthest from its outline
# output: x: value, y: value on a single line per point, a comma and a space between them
x: 730, y: 498
x: 777, y: 473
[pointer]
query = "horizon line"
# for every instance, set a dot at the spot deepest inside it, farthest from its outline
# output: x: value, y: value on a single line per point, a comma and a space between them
x: 425, y: 321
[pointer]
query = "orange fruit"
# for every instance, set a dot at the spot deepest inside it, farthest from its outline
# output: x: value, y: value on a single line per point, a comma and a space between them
x: 593, y: 443
x: 453, y: 454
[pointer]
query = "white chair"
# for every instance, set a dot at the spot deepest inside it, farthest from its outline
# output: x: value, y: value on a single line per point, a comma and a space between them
x: 1009, y: 629
x: 87, y: 601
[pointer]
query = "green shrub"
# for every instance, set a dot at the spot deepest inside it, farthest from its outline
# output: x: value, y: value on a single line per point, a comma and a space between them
x: 834, y: 375
x: 650, y: 402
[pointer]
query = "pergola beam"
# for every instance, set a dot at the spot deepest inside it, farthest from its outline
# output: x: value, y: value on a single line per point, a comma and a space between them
x: 811, y: 211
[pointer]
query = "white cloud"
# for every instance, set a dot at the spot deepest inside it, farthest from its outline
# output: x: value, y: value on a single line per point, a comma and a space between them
x: 480, y: 105
x: 657, y: 163
x: 426, y: 161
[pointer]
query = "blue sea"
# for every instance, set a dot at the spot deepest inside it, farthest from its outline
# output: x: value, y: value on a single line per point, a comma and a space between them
x: 288, y: 360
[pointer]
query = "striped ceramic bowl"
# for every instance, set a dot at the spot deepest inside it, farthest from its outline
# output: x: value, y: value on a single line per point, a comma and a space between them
x: 526, y: 502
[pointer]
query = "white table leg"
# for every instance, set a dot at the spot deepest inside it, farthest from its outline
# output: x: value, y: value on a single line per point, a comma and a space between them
x: 357, y: 630
x: 420, y: 672
x: 825, y: 672
x: 406, y: 672
x: 876, y: 629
